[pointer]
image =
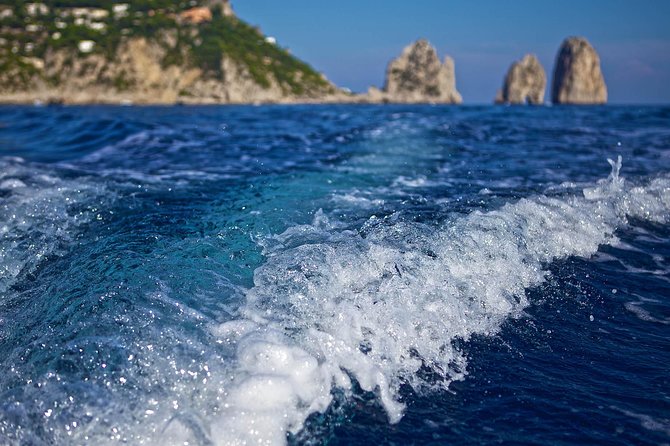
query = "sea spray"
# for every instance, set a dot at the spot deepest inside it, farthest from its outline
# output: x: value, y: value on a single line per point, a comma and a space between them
x: 40, y: 213
x: 107, y: 337
x: 384, y: 305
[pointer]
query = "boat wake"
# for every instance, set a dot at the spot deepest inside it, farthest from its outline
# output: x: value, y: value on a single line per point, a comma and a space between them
x: 385, y: 306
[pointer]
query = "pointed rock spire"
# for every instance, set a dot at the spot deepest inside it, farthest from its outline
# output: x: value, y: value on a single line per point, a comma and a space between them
x: 577, y: 75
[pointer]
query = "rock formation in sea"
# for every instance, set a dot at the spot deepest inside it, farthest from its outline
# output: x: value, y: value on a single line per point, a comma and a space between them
x: 577, y: 75
x: 524, y: 83
x: 417, y: 76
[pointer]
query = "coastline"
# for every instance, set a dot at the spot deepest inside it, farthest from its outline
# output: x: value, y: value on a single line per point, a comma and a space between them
x: 149, y: 100
x: 358, y: 99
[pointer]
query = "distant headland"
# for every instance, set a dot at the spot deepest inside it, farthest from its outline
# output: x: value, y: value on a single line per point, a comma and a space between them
x: 200, y: 52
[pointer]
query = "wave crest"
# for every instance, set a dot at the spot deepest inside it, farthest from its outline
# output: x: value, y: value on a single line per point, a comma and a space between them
x: 385, y: 305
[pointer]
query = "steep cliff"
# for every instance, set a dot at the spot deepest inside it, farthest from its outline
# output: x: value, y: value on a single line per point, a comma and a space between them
x: 149, y: 51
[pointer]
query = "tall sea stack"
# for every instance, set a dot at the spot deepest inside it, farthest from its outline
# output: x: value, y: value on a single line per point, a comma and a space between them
x: 577, y: 75
x: 417, y: 76
x: 524, y: 83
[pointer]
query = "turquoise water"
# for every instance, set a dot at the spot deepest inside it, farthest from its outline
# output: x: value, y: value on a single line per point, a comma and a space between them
x: 334, y: 274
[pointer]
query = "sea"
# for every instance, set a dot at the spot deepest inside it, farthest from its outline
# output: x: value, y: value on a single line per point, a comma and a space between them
x: 334, y: 275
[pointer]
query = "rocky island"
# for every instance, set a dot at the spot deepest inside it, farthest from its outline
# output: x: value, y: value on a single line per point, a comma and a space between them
x: 578, y: 78
x: 148, y: 51
x: 418, y: 76
x: 524, y: 83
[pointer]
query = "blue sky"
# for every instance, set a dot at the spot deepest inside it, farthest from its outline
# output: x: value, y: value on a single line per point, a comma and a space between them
x: 352, y: 41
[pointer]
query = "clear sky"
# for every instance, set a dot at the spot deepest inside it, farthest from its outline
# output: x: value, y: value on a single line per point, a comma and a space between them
x: 352, y: 41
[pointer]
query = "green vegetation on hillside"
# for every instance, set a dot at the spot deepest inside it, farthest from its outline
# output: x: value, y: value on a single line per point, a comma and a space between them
x: 244, y: 43
x: 28, y: 31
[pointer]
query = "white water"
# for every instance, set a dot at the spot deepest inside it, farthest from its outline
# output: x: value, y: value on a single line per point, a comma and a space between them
x: 39, y: 214
x: 329, y: 305
x: 380, y: 305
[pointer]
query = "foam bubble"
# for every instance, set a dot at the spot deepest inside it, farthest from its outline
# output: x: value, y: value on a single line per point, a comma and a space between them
x: 384, y: 305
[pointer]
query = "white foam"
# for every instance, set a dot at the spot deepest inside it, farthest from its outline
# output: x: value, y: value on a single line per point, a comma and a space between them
x: 419, y: 181
x: 39, y: 214
x: 357, y: 200
x: 386, y: 304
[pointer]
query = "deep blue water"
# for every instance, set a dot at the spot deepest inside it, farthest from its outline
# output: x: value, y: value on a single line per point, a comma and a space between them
x: 334, y: 275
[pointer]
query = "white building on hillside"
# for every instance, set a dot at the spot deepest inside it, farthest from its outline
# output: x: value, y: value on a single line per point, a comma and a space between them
x: 85, y: 13
x: 34, y: 9
x: 5, y: 12
x: 98, y: 26
x: 86, y: 46
x: 120, y: 10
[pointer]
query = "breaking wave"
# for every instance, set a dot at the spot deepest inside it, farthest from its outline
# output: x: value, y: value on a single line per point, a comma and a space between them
x: 388, y: 305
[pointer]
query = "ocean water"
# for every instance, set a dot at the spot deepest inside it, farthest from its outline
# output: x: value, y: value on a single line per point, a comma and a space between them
x: 337, y: 275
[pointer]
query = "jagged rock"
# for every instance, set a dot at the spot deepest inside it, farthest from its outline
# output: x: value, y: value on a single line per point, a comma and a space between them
x: 223, y: 5
x: 577, y: 75
x: 375, y: 95
x: 525, y: 82
x: 196, y: 15
x: 227, y: 9
x: 418, y: 76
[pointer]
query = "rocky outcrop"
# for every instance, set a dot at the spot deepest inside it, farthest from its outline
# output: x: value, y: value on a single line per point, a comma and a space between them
x: 577, y: 75
x: 524, y: 83
x: 224, y: 6
x: 417, y: 76
x: 196, y: 15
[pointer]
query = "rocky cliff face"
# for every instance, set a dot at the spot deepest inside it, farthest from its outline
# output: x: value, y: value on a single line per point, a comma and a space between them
x: 524, y: 83
x: 417, y: 76
x: 154, y: 56
x: 577, y: 75
x: 137, y: 75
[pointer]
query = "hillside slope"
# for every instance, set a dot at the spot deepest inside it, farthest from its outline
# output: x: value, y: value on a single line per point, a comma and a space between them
x: 146, y: 51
